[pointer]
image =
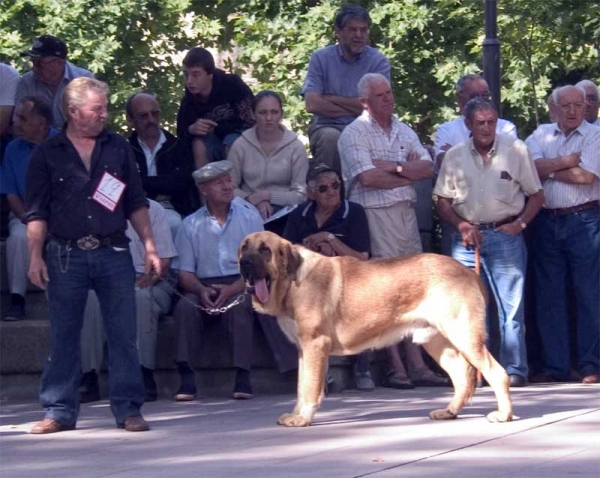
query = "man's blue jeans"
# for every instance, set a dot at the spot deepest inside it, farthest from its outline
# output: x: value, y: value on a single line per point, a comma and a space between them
x: 110, y: 273
x: 563, y: 244
x: 503, y: 267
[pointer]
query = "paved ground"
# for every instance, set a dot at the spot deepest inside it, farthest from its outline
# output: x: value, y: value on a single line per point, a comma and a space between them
x: 382, y: 434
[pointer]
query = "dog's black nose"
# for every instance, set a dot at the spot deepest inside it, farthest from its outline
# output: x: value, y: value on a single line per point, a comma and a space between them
x: 245, y: 264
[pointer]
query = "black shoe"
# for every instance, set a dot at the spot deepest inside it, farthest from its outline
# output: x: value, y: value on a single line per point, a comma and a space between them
x: 242, y: 389
x: 151, y: 393
x: 187, y: 384
x: 517, y: 381
x: 89, y: 391
x: 16, y: 312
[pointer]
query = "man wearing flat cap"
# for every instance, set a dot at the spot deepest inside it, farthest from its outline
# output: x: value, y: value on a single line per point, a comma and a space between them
x: 50, y: 74
x: 207, y: 244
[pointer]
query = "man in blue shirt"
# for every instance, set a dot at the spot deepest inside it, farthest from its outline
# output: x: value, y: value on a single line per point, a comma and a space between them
x: 207, y: 244
x: 32, y: 120
x: 330, y: 89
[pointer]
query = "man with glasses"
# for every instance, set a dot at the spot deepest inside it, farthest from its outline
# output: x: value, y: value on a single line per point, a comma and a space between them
x: 164, y: 161
x: 330, y: 87
x: 50, y: 74
x: 567, y: 237
x: 592, y: 100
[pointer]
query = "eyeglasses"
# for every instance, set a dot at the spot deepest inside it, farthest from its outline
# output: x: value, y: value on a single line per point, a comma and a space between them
x: 355, y: 30
x: 486, y: 95
x: 42, y: 62
x: 323, y: 188
x: 591, y: 99
x: 148, y: 114
x: 566, y: 107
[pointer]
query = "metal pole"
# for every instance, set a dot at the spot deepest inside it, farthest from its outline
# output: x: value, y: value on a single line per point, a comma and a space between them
x: 491, y: 52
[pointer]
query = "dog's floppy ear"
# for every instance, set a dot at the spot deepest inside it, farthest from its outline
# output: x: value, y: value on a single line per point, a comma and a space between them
x: 290, y: 259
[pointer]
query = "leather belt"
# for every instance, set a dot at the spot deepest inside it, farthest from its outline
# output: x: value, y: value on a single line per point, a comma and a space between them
x: 563, y: 211
x: 484, y: 226
x: 92, y: 242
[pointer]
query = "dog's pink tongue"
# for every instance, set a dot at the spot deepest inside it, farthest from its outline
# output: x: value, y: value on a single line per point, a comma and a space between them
x: 261, y: 290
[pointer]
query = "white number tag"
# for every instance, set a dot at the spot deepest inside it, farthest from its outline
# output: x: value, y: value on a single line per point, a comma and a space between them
x: 109, y: 191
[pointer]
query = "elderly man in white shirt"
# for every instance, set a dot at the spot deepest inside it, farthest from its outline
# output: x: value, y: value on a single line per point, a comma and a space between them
x: 567, y: 237
x: 592, y: 100
x: 381, y: 158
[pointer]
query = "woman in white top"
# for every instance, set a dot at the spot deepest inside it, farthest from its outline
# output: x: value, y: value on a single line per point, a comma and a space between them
x: 269, y: 161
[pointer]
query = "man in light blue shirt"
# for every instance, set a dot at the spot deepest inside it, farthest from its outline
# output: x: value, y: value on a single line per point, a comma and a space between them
x: 50, y: 74
x: 330, y: 89
x: 207, y: 244
x: 31, y: 126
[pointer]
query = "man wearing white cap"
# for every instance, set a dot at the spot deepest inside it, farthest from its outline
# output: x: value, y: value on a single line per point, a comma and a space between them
x: 207, y: 244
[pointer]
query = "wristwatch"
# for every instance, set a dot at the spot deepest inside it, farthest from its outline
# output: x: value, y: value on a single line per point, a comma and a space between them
x: 522, y: 223
x: 330, y: 237
x: 399, y: 167
x: 551, y: 176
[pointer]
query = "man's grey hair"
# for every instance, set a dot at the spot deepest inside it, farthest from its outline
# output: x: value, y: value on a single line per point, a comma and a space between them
x: 364, y: 84
x: 348, y: 12
x: 562, y: 89
x: 589, y: 84
x: 478, y: 104
x: 76, y: 92
x: 463, y: 80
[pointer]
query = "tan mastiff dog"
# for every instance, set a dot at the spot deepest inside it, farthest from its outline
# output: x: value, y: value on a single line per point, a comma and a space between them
x: 342, y: 306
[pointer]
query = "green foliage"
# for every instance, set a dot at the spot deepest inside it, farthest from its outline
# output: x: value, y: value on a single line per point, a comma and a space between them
x: 139, y: 44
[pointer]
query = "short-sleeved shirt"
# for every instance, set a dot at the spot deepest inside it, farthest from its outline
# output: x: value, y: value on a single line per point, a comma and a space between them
x: 548, y: 141
x: 13, y: 171
x: 489, y: 192
x: 30, y: 85
x: 59, y: 189
x: 455, y: 132
x: 9, y: 79
x: 207, y: 249
x: 348, y: 223
x: 329, y: 73
x: 364, y: 140
x: 163, y: 239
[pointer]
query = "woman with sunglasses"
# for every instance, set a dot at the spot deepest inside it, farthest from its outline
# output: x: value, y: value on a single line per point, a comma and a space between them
x: 332, y: 226
x: 269, y: 161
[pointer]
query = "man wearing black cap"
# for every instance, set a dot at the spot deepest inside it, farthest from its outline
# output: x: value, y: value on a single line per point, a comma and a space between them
x: 50, y: 74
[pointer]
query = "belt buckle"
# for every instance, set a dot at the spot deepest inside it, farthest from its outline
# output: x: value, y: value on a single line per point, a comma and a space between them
x: 88, y: 243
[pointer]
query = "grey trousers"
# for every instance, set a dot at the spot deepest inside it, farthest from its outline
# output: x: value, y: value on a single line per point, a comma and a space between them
x: 151, y: 303
x: 324, y: 143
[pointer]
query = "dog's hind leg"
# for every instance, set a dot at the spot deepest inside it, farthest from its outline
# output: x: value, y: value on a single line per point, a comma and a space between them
x: 314, y: 354
x: 461, y: 372
x: 498, y: 380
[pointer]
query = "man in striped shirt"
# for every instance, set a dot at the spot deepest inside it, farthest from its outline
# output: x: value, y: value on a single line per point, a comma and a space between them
x: 381, y: 158
x: 567, y: 236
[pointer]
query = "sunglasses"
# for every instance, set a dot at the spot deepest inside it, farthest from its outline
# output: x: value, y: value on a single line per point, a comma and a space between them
x: 323, y: 188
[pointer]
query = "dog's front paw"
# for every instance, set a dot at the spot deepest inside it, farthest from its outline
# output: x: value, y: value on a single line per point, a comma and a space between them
x: 499, y: 417
x: 293, y: 420
x: 442, y: 414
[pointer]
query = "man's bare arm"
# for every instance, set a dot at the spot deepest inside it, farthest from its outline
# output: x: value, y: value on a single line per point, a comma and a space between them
x: 5, y: 117
x: 378, y: 178
x: 36, y: 238
x: 547, y: 166
x: 575, y: 175
x: 415, y: 170
x: 16, y: 205
x: 140, y: 220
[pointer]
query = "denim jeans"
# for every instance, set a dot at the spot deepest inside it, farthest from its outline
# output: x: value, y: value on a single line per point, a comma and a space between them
x: 563, y: 244
x: 110, y: 273
x: 503, y: 268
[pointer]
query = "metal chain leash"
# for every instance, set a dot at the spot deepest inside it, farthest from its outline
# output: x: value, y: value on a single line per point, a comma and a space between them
x: 210, y: 311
